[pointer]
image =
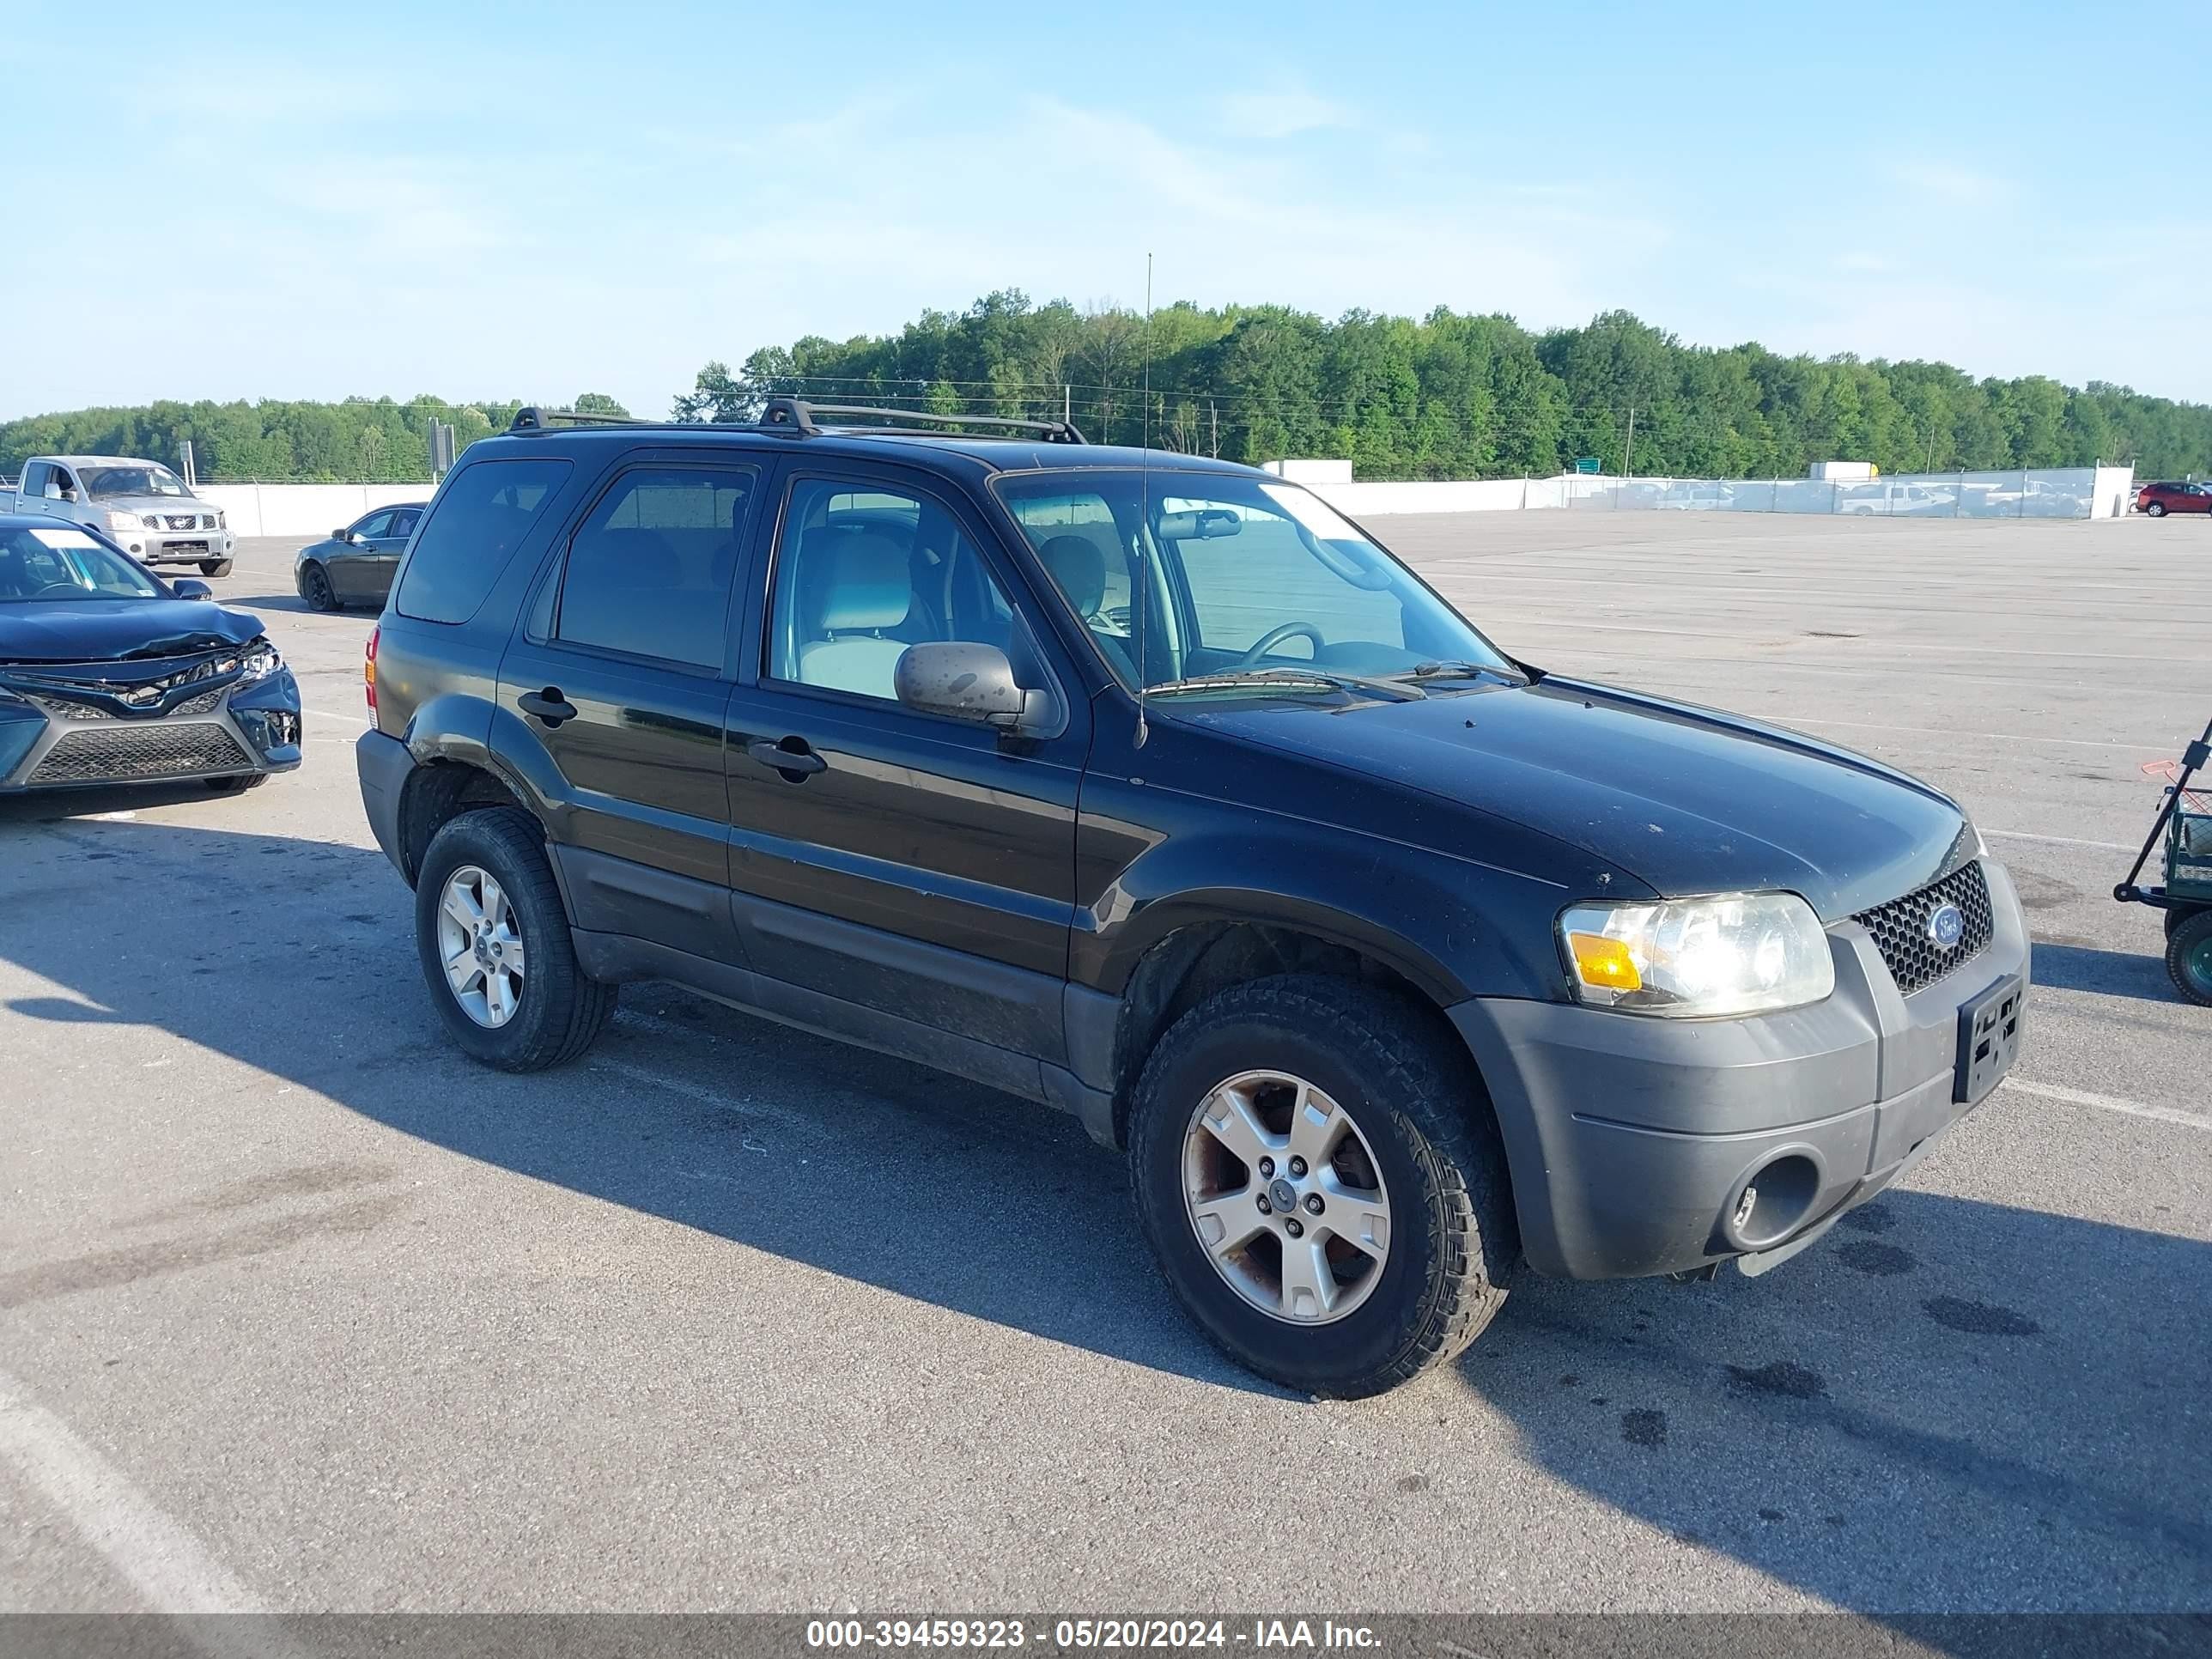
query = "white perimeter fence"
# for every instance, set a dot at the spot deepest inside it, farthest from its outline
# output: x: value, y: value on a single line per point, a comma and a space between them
x: 2080, y: 492
x: 2074, y: 492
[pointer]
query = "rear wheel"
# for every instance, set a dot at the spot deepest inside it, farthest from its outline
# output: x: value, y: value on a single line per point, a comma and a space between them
x: 1322, y: 1190
x: 315, y: 588
x: 2189, y: 957
x: 2156, y: 510
x: 493, y: 937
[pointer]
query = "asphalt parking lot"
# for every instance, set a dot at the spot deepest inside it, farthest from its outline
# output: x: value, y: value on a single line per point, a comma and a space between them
x: 299, y: 1310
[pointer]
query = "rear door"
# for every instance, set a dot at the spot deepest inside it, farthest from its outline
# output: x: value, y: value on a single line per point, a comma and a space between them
x: 912, y: 868
x: 620, y: 673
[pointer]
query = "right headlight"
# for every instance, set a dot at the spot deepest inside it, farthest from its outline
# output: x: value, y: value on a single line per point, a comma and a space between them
x: 1745, y: 953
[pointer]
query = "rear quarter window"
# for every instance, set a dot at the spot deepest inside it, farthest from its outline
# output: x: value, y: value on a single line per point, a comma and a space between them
x: 486, y: 512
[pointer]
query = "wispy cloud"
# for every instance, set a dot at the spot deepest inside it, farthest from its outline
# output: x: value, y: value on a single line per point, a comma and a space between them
x: 1282, y: 111
x: 1950, y: 182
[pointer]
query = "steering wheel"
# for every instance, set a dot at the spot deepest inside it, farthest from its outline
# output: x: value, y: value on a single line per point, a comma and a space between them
x: 55, y: 587
x: 1274, y: 636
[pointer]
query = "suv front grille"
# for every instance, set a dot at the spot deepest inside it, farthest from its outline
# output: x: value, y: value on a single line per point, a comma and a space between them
x: 1900, y: 929
x: 97, y: 754
x: 188, y: 520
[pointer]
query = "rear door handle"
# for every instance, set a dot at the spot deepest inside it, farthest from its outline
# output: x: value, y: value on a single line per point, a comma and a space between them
x: 798, y: 758
x: 548, y: 705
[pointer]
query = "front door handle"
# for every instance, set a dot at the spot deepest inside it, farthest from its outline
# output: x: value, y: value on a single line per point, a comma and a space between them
x: 548, y: 705
x: 790, y: 756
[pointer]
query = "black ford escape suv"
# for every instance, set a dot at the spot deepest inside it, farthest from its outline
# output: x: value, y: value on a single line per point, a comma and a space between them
x: 1392, y: 959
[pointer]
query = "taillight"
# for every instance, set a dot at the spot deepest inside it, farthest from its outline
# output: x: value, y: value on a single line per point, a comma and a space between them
x: 369, y: 669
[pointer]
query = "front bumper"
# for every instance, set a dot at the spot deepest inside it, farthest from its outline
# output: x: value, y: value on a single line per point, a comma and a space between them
x: 191, y: 547
x: 1631, y: 1140
x: 239, y: 731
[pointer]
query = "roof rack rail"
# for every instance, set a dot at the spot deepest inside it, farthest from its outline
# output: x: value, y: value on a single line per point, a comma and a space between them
x: 798, y: 416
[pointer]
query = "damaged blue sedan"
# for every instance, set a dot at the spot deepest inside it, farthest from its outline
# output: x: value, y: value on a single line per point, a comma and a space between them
x: 110, y: 675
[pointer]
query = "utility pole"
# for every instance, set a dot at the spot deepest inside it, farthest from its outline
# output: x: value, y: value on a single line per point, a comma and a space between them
x: 1066, y: 406
x: 1213, y: 415
x: 1628, y: 461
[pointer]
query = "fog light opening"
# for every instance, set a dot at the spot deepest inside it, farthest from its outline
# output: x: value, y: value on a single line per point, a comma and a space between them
x: 1774, y: 1201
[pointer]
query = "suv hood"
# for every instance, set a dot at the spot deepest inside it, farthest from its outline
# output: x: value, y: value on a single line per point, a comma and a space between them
x: 1687, y: 799
x: 111, y: 630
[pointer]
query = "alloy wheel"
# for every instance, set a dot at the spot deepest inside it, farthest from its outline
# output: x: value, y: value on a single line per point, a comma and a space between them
x: 480, y: 943
x: 1285, y: 1197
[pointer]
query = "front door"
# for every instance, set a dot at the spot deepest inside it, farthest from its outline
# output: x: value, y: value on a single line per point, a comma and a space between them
x: 352, y: 563
x: 388, y: 547
x: 620, y: 674
x: 918, y: 868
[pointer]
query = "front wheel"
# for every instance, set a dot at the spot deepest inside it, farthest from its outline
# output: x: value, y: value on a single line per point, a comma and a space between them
x: 315, y: 589
x: 493, y: 937
x: 1324, y: 1192
x: 2189, y: 957
x: 2156, y: 510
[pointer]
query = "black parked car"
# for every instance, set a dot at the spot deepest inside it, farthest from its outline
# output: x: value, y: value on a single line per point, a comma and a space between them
x: 354, y: 564
x: 1391, y: 958
x: 110, y: 675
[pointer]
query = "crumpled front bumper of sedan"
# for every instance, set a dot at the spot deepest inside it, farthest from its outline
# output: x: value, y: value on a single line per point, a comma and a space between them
x: 56, y: 736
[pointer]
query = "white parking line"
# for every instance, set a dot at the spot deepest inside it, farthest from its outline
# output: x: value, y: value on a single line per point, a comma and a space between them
x: 333, y: 715
x: 2061, y: 841
x: 165, y: 1564
x: 2112, y: 1104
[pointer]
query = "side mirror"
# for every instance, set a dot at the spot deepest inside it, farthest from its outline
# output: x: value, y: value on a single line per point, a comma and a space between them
x: 965, y: 682
x: 68, y: 495
x: 189, y: 588
x: 342, y: 534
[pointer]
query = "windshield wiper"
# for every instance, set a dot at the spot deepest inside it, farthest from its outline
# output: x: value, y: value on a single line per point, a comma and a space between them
x: 1270, y: 678
x: 1454, y: 668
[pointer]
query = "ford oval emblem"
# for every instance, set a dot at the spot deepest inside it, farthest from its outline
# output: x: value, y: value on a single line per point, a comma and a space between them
x: 1947, y: 926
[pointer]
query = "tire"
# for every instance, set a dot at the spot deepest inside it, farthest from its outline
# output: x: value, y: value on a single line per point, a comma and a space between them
x: 2156, y: 510
x: 214, y: 567
x: 239, y: 785
x: 315, y: 588
x: 1421, y: 1130
x: 556, y: 1012
x: 2175, y: 918
x: 2189, y: 957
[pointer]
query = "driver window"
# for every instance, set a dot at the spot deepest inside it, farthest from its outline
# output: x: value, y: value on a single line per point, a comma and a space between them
x: 375, y: 525
x: 58, y: 482
x: 861, y: 573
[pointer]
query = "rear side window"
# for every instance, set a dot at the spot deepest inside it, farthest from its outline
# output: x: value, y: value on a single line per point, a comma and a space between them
x: 649, y: 574
x: 485, y: 512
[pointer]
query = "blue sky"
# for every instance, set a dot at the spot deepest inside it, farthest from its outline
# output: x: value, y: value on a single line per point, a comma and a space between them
x: 540, y: 200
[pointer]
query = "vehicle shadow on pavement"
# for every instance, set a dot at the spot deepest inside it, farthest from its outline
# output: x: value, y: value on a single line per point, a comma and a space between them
x: 1946, y: 1404
x: 2114, y: 973
x: 852, y: 1162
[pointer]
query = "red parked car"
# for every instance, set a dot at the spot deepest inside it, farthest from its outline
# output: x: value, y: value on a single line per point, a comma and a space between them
x: 2160, y: 498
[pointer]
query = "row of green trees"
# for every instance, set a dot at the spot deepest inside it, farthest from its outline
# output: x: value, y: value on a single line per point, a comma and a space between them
x: 1450, y: 396
x: 358, y: 441
x: 1454, y: 396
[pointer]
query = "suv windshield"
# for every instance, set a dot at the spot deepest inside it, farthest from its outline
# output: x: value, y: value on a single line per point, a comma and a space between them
x: 106, y: 483
x: 39, y: 563
x: 1246, y: 575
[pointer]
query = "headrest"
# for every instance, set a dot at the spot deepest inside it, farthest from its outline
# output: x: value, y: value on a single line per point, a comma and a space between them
x: 854, y: 581
x: 1076, y: 563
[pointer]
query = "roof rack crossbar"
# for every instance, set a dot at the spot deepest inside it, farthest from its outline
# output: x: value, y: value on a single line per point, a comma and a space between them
x: 798, y: 415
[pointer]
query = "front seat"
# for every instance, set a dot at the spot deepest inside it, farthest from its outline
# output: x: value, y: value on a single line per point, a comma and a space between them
x: 854, y: 590
x: 1075, y: 563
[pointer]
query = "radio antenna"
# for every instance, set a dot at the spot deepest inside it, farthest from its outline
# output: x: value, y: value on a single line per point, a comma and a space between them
x: 1144, y: 509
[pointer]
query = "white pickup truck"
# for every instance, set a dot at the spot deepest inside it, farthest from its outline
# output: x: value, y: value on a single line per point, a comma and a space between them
x: 140, y: 506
